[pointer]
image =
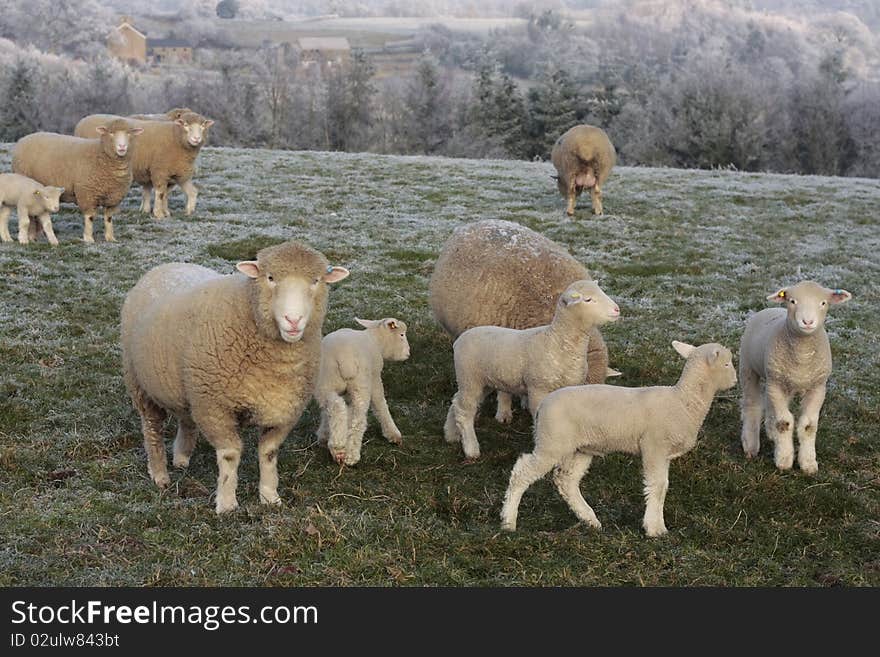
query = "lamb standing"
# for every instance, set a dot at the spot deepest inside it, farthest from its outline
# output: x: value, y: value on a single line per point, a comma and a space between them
x: 351, y: 363
x: 532, y: 361
x: 93, y: 172
x: 583, y: 157
x: 787, y: 350
x: 498, y: 273
x: 660, y: 423
x: 163, y: 157
x: 216, y: 350
x: 30, y: 198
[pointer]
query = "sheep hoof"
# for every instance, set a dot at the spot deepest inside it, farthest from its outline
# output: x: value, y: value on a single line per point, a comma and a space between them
x: 508, y: 526
x: 656, y: 532
x: 468, y: 460
x: 570, y: 213
x: 352, y: 460
x: 89, y: 240
x: 810, y: 468
x: 180, y: 461
x: 270, y: 498
x: 339, y: 457
x: 395, y: 438
x: 162, y: 480
x: 109, y: 239
x: 226, y: 507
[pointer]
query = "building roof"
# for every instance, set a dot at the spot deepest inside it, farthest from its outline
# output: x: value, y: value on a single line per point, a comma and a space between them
x: 168, y: 43
x: 324, y: 43
x: 129, y: 26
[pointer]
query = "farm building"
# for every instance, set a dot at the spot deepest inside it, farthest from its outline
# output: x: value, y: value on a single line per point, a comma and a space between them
x: 170, y: 51
x: 324, y: 51
x: 127, y: 43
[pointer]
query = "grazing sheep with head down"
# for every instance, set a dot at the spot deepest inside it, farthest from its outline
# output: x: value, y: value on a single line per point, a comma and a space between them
x: 531, y: 362
x: 583, y: 157
x: 93, y: 172
x: 787, y: 350
x: 351, y: 364
x: 30, y: 198
x: 661, y: 423
x: 164, y: 156
x: 498, y: 273
x: 218, y: 350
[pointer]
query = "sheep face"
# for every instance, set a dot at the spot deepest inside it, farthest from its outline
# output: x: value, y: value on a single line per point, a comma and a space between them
x: 288, y: 297
x: 586, y: 300
x: 116, y: 137
x: 391, y: 333
x: 50, y: 197
x: 807, y: 305
x: 717, y: 359
x: 193, y: 129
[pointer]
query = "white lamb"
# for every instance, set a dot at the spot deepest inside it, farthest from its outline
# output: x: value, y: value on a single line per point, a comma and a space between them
x: 30, y: 199
x: 787, y: 350
x: 351, y: 364
x: 661, y: 423
x: 531, y: 362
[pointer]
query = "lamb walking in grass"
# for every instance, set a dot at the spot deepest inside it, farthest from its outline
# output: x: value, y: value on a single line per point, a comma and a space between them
x: 217, y: 350
x: 351, y: 364
x: 661, y: 423
x: 30, y: 199
x: 531, y: 362
x: 786, y: 350
x: 583, y: 157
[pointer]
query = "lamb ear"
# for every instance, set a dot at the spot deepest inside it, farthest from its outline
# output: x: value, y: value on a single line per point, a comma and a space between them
x: 712, y: 357
x: 335, y: 274
x: 779, y: 296
x: 683, y: 348
x: 838, y: 296
x: 368, y: 323
x: 37, y: 192
x: 390, y: 324
x: 571, y: 298
x: 249, y: 268
x: 611, y: 372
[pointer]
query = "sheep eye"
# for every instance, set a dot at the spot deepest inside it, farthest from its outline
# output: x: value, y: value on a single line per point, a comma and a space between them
x: 793, y: 302
x: 824, y: 303
x: 270, y: 278
x: 315, y: 282
x: 588, y: 300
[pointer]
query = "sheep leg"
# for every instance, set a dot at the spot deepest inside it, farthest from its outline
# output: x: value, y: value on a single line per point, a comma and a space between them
x: 4, y: 223
x: 24, y: 223
x: 596, y: 197
x: 88, y: 229
x: 462, y: 413
x: 334, y: 418
x: 108, y: 223
x: 751, y: 412
x: 270, y: 443
x: 504, y: 414
x: 185, y: 441
x: 780, y: 426
x: 159, y: 211
x: 152, y: 424
x: 165, y: 199
x: 357, y: 423
x: 572, y: 198
x: 807, y: 426
x: 380, y: 410
x: 536, y: 396
x: 220, y: 431
x: 567, y: 478
x: 527, y: 470
x: 656, y: 478
x: 146, y: 191
x: 192, y: 193
x: 46, y: 225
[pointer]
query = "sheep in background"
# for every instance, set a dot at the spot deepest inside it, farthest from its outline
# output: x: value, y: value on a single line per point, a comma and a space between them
x: 787, y: 350
x: 351, y: 363
x: 532, y: 361
x: 170, y: 115
x: 661, y: 423
x: 583, y: 157
x: 30, y: 198
x: 498, y: 273
x: 93, y: 172
x: 217, y: 350
x: 164, y: 156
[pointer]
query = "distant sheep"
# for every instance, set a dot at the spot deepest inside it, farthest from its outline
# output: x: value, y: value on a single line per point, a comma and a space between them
x: 787, y: 351
x: 93, y: 172
x: 661, y: 423
x: 351, y: 364
x: 583, y: 157
x: 170, y: 115
x: 31, y: 199
x: 498, y: 273
x: 218, y: 350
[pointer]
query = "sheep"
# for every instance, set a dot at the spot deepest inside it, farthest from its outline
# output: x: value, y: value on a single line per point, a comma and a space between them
x: 93, y: 172
x: 351, y: 363
x: 170, y: 115
x: 532, y: 361
x: 583, y: 157
x: 30, y: 198
x: 218, y: 350
x: 498, y: 273
x: 164, y: 156
x: 787, y: 351
x: 661, y: 423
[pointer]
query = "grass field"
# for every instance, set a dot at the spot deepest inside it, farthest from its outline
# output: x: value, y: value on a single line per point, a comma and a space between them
x: 687, y: 255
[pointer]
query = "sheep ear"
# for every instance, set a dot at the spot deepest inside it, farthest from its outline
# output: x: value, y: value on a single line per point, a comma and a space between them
x: 368, y: 323
x: 683, y: 348
x: 611, y: 372
x: 135, y: 131
x: 714, y: 355
x: 101, y: 130
x: 571, y: 298
x: 779, y: 296
x: 838, y: 296
x: 208, y: 123
x: 335, y: 274
x: 180, y: 122
x: 249, y: 268
x: 390, y: 324
x: 37, y: 192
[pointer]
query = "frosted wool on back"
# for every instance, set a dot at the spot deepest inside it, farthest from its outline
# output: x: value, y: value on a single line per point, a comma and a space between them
x: 583, y: 157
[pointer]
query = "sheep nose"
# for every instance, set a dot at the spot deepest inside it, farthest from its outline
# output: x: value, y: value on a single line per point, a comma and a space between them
x: 808, y: 322
x: 293, y: 322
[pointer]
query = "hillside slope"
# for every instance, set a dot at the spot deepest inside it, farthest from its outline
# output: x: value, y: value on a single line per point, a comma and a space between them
x: 687, y: 255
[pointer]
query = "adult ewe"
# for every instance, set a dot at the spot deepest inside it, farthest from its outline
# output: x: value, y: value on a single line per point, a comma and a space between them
x: 498, y: 273
x: 583, y: 157
x: 94, y: 172
x: 217, y: 350
x: 787, y: 350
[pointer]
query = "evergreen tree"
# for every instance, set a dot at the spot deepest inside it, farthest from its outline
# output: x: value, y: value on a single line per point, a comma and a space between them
x: 553, y: 108
x: 428, y: 122
x: 17, y: 112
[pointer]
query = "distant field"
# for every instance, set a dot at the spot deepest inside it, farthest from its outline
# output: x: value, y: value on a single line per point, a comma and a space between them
x: 687, y: 254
